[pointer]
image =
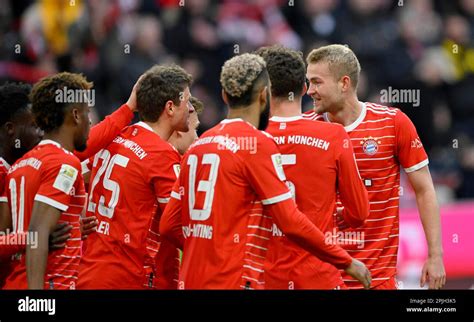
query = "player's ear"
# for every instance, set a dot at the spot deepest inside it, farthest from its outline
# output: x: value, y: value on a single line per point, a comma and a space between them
x: 305, y: 89
x: 76, y: 115
x: 9, y: 128
x: 263, y: 96
x: 224, y: 97
x: 169, y: 107
x: 346, y: 83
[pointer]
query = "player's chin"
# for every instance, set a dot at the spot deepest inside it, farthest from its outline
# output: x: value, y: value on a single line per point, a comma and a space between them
x: 80, y: 147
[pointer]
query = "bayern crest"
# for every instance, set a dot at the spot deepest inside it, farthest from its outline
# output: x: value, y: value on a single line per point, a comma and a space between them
x: 370, y: 145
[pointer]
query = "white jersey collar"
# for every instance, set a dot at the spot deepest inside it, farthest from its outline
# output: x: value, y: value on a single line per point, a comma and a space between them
x: 356, y: 123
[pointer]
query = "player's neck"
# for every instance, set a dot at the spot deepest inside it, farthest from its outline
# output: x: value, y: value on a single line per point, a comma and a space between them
x: 348, y: 114
x: 66, y: 141
x: 285, y: 108
x: 249, y: 114
x: 162, y: 128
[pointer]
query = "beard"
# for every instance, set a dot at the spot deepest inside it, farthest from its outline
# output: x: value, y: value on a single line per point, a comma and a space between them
x: 81, y: 147
x: 265, y: 115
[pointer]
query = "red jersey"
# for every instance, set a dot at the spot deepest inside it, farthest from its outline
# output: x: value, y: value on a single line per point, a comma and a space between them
x: 4, y: 166
x: 130, y: 180
x: 49, y: 174
x: 318, y: 159
x: 225, y: 171
x: 5, y: 252
x: 383, y: 139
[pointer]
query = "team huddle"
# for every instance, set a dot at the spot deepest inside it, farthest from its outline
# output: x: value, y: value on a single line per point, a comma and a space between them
x: 269, y: 198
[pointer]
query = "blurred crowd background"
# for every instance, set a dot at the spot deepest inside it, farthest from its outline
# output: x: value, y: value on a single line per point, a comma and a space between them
x: 425, y: 45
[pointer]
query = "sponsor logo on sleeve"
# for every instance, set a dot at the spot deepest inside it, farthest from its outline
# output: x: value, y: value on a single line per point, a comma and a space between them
x: 65, y: 179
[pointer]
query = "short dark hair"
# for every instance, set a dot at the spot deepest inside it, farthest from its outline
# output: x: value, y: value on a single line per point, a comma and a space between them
x: 159, y: 85
x: 242, y: 77
x: 13, y: 100
x: 286, y: 69
x: 48, y: 112
x: 197, y: 104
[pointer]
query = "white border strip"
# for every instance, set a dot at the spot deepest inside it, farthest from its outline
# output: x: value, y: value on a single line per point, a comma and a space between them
x: 417, y: 166
x: 269, y: 201
x: 175, y: 195
x: 163, y: 200
x: 51, y: 202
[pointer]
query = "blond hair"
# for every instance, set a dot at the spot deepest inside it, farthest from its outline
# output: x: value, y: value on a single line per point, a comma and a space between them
x: 240, y: 72
x: 341, y: 61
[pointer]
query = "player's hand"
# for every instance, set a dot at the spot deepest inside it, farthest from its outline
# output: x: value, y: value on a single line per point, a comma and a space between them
x: 132, y: 100
x: 340, y: 222
x: 433, y: 272
x: 88, y: 226
x: 358, y: 271
x: 59, y: 236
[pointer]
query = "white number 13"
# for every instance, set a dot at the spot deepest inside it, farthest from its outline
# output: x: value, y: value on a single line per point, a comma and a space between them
x: 206, y: 186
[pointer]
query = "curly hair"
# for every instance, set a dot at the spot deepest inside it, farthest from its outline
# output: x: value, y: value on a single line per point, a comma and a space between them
x: 48, y: 112
x: 286, y: 69
x: 241, y: 77
x: 341, y: 61
x: 159, y: 85
x: 13, y: 100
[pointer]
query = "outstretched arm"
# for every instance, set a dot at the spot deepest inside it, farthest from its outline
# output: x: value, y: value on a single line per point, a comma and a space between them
x: 433, y: 270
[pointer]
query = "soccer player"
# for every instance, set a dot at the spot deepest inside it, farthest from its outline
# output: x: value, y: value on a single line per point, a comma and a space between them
x: 181, y: 141
x: 45, y: 186
x: 318, y: 160
x: 131, y: 183
x: 227, y: 169
x: 383, y: 139
x: 19, y: 134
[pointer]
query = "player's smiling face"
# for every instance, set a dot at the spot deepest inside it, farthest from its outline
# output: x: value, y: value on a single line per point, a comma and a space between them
x: 323, y: 88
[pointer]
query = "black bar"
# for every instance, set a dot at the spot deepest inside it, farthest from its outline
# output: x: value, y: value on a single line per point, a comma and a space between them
x: 242, y: 305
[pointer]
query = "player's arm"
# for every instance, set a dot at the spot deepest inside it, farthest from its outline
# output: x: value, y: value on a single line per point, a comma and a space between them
x: 299, y: 229
x: 103, y: 133
x: 433, y: 270
x: 413, y: 158
x: 5, y: 216
x: 43, y: 221
x: 170, y: 223
x: 266, y: 176
x: 352, y: 192
x: 9, y: 243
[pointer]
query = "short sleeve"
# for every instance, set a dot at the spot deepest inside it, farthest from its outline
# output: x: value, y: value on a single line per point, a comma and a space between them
x: 58, y: 178
x: 265, y: 172
x: 409, y: 149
